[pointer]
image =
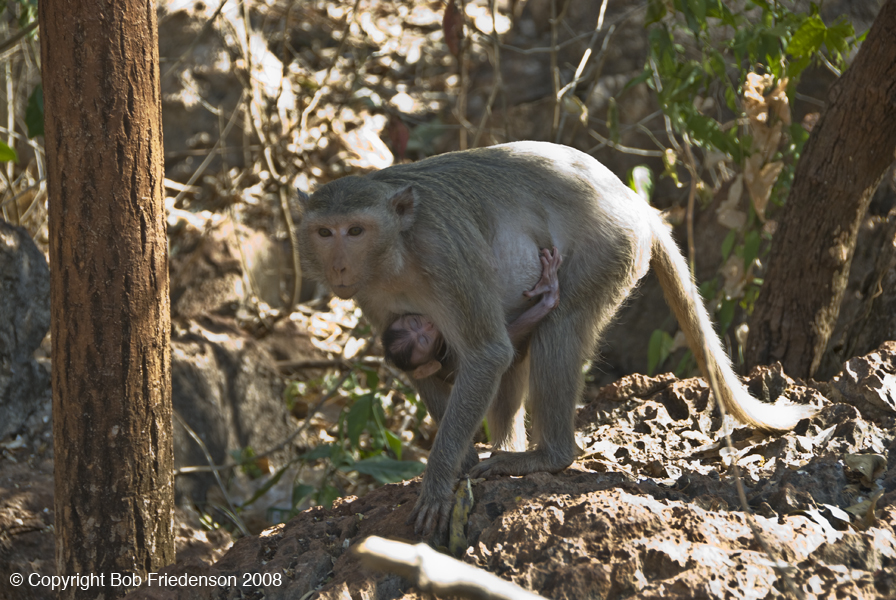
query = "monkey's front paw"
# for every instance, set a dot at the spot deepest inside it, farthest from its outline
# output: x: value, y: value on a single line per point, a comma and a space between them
x: 431, y: 514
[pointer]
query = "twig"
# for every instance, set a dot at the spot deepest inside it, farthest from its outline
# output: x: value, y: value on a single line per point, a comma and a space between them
x: 555, y: 69
x: 545, y: 49
x: 579, y: 74
x: 258, y: 129
x: 463, y: 76
x: 829, y: 65
x: 12, y: 41
x: 211, y: 153
x: 438, y: 573
x: 315, y: 100
x: 16, y: 37
x: 205, y: 27
x: 626, y: 149
x: 41, y: 192
x: 498, y: 83
x: 208, y: 457
x: 326, y: 363
x: 585, y: 55
x: 21, y: 193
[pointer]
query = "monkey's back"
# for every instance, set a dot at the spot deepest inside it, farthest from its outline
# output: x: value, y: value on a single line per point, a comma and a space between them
x: 540, y: 194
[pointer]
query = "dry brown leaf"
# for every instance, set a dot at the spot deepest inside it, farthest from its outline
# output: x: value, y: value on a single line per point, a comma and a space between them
x: 869, y: 466
x: 760, y: 180
x: 453, y: 28
x: 727, y: 213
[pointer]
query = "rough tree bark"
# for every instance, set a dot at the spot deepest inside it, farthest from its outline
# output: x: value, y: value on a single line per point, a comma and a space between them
x: 109, y: 290
x: 848, y: 152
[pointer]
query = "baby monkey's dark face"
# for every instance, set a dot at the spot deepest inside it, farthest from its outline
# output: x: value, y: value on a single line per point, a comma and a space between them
x: 419, y: 335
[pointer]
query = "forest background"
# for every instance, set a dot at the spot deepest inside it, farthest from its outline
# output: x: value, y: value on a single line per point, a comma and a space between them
x: 704, y: 107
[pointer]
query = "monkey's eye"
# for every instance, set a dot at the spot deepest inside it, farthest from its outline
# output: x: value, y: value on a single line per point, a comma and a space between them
x: 355, y: 231
x: 324, y: 232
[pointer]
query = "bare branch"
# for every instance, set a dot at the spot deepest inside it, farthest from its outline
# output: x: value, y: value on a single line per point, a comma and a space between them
x: 438, y: 573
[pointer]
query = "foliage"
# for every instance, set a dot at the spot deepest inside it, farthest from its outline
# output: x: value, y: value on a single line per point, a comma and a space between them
x: 34, y: 112
x: 24, y: 10
x: 364, y: 445
x: 726, y: 81
x: 7, y: 154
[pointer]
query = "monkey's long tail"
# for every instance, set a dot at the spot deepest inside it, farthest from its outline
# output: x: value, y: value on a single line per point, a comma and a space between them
x: 681, y: 292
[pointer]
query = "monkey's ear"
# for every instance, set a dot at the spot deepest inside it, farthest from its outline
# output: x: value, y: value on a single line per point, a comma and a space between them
x: 424, y: 371
x: 404, y: 204
x: 303, y: 198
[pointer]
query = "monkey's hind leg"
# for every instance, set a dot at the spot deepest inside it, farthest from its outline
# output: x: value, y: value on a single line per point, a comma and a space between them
x: 507, y: 415
x: 559, y: 347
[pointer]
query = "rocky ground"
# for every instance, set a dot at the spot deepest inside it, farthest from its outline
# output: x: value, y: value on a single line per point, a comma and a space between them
x: 650, y: 510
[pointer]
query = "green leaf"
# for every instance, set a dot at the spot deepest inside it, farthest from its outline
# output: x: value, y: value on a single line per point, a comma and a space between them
x: 640, y: 179
x: 613, y: 120
x: 7, y: 154
x: 808, y: 38
x: 726, y: 313
x: 685, y: 365
x: 271, y: 482
x: 663, y: 48
x: 326, y: 495
x: 658, y: 350
x: 708, y: 289
x: 656, y: 10
x: 424, y: 136
x: 752, y: 240
x: 357, y: 418
x: 836, y: 36
x: 716, y: 9
x: 373, y: 378
x: 643, y: 76
x: 728, y: 244
x: 300, y: 493
x: 34, y: 112
x: 387, y: 470
x: 377, y: 433
x: 690, y: 10
x: 798, y: 137
x: 394, y: 443
x: 322, y: 451
x: 698, y: 8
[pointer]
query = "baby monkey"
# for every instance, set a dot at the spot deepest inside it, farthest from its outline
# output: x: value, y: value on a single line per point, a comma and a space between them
x: 414, y: 344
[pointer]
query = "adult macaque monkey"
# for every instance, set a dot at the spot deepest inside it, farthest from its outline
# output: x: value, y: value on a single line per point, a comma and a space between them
x: 455, y: 237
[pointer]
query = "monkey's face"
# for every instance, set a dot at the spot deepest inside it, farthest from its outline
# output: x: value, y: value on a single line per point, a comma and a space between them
x: 345, y: 249
x: 350, y: 233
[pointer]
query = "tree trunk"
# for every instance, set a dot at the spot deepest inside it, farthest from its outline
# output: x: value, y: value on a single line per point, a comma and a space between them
x: 848, y: 152
x: 109, y: 291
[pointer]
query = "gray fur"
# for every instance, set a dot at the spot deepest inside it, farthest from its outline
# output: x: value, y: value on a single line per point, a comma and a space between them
x: 456, y: 251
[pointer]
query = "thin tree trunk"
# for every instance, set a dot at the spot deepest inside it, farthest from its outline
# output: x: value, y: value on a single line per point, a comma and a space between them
x: 847, y: 154
x: 109, y: 290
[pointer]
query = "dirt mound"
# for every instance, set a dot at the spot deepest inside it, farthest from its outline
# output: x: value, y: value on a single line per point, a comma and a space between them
x: 650, y: 510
